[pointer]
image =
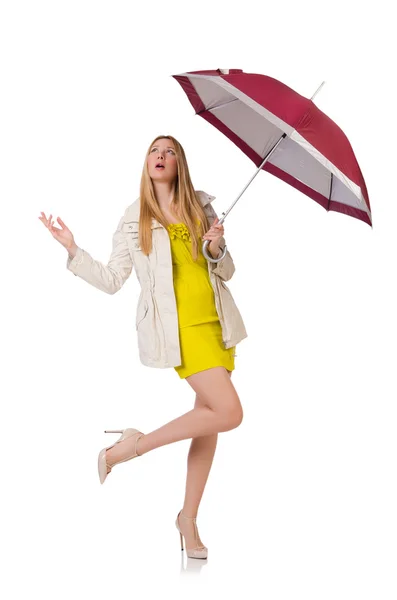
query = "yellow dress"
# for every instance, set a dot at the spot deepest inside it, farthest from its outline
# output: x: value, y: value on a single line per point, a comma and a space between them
x: 200, y: 332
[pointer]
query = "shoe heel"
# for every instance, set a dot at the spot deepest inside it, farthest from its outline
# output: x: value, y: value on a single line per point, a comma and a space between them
x: 197, y: 552
x: 125, y: 433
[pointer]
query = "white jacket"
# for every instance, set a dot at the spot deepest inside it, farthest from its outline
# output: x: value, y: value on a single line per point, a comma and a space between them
x: 156, y: 313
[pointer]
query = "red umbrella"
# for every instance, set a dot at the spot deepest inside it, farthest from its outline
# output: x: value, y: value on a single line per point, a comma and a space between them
x: 284, y: 134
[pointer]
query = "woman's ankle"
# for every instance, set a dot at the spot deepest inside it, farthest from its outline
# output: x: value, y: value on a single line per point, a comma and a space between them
x: 189, y: 512
x: 141, y: 447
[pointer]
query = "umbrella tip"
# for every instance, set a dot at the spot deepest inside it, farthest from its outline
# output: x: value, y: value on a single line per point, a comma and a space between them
x: 230, y: 71
x: 317, y: 90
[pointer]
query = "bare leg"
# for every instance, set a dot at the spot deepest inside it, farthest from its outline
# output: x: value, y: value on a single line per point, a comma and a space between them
x: 220, y: 410
x: 199, y: 462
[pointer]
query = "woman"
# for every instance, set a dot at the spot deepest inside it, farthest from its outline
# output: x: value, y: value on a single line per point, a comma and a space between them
x: 186, y: 316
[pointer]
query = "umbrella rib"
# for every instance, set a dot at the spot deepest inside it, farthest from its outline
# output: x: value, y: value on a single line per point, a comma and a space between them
x: 219, y: 105
x: 330, y: 190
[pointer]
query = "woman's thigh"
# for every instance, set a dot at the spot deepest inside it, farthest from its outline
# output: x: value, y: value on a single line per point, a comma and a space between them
x: 215, y: 390
x: 199, y: 401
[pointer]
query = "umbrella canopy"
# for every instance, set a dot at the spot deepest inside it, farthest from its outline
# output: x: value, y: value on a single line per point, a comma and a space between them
x: 255, y: 111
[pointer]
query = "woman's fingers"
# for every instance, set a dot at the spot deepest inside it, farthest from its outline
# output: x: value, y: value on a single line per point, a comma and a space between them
x: 215, y: 231
x: 210, y: 236
x: 45, y: 221
x: 62, y: 224
x: 49, y: 223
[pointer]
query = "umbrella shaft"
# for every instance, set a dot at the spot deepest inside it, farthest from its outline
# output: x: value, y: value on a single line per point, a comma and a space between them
x: 268, y: 155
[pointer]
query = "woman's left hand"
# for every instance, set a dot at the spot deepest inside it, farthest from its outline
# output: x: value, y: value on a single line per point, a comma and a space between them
x: 215, y: 233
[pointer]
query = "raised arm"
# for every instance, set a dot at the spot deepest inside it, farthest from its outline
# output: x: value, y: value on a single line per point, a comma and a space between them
x: 110, y: 277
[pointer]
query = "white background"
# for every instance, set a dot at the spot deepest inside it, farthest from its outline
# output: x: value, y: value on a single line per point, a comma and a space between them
x: 301, y: 498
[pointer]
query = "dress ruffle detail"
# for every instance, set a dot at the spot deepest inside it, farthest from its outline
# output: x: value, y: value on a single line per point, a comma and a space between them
x: 179, y: 230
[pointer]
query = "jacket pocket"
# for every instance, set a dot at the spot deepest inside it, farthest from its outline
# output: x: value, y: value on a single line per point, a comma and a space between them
x: 132, y: 236
x: 149, y: 342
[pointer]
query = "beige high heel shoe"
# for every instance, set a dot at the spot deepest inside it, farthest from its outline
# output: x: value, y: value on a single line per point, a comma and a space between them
x: 199, y: 551
x: 102, y: 464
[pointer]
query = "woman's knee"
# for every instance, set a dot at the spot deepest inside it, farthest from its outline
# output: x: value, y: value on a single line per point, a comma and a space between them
x: 218, y: 395
x: 232, y: 417
x: 229, y: 417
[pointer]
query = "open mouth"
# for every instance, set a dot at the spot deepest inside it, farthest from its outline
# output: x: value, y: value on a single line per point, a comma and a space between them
x: 160, y: 166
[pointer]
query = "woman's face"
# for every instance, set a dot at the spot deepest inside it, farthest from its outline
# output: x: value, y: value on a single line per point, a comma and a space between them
x: 162, y: 153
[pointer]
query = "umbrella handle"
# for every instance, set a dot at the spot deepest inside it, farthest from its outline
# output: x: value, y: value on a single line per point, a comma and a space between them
x: 209, y: 257
x: 206, y: 254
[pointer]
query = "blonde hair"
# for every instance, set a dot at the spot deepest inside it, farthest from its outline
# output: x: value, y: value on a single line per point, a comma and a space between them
x: 185, y: 204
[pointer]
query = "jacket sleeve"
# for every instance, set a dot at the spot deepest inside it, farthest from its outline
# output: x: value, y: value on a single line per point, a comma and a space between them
x: 108, y: 278
x: 225, y: 267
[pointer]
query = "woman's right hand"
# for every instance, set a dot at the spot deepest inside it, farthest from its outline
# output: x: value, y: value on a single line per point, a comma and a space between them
x: 64, y: 236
